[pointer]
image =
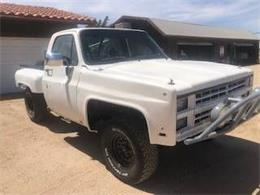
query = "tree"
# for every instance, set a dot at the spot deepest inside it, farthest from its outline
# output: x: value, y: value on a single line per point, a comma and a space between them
x: 103, y: 23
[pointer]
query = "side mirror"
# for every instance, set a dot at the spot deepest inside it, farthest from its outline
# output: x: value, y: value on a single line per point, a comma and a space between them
x: 56, y: 59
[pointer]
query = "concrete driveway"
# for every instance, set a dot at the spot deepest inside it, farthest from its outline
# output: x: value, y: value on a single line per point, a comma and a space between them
x: 60, y: 158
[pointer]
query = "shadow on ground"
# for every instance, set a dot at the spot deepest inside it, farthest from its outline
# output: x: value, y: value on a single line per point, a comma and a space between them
x: 11, y: 96
x: 227, y: 165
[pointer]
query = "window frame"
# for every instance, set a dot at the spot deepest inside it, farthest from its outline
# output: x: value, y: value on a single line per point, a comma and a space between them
x: 73, y: 42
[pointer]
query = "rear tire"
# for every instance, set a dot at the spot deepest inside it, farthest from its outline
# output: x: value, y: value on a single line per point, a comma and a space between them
x: 127, y: 151
x: 35, y: 106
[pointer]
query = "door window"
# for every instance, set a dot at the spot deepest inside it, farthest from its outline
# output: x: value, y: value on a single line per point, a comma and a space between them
x: 65, y: 45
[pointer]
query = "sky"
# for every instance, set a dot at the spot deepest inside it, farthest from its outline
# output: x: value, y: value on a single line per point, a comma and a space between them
x: 236, y: 14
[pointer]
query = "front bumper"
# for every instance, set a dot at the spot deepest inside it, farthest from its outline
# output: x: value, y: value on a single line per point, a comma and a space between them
x: 232, y: 113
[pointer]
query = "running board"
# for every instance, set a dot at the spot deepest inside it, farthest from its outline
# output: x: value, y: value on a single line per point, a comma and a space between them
x: 65, y: 120
x: 62, y: 118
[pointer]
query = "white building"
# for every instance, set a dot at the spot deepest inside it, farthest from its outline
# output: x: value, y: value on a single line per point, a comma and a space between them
x: 25, y: 32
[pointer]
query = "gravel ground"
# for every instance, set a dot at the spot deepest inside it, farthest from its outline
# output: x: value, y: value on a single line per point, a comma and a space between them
x: 61, y: 158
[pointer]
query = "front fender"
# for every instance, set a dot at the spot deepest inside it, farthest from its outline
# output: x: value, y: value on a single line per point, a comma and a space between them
x: 28, y: 77
x: 154, y: 99
x: 159, y: 116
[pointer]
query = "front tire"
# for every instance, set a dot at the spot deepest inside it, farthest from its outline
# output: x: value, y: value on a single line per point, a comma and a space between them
x: 35, y: 106
x: 127, y: 152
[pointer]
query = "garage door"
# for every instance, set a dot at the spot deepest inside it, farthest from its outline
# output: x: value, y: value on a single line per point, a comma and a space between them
x: 244, y: 54
x: 14, y: 52
x: 195, y: 51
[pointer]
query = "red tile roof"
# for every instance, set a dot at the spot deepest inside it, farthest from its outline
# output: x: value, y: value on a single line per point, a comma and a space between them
x: 48, y: 13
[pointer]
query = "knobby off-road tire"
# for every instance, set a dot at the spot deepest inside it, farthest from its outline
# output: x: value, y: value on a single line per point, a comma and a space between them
x: 127, y: 151
x: 35, y: 106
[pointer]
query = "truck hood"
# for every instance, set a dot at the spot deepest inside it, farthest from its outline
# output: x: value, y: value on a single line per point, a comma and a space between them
x: 186, y: 75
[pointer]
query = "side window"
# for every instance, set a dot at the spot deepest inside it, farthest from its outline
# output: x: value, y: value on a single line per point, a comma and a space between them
x: 65, y: 45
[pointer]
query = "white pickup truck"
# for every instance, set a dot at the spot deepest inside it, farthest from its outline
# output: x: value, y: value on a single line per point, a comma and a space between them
x: 119, y: 83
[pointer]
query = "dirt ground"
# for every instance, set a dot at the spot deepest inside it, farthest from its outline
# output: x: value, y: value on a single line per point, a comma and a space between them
x: 61, y: 158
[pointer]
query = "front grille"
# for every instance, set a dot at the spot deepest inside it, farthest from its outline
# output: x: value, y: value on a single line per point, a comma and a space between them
x: 201, y: 103
x: 220, y: 91
x: 201, y: 117
x: 181, y: 123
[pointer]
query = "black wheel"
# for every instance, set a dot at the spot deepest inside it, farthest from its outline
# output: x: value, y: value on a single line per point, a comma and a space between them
x: 35, y: 106
x: 127, y: 152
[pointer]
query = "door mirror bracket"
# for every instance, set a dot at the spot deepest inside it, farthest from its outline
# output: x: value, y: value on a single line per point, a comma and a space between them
x: 68, y: 70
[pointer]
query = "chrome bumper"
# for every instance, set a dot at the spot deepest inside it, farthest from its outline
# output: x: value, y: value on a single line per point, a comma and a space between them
x: 231, y: 114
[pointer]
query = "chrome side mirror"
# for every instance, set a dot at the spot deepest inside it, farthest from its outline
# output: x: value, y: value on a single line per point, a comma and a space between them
x: 56, y: 59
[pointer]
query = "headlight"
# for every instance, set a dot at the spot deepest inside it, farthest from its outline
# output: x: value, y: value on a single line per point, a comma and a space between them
x: 182, y: 104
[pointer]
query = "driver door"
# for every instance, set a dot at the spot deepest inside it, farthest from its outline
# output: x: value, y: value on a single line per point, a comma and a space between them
x: 61, y: 76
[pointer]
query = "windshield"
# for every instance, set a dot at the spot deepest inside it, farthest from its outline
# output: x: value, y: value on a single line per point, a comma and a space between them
x: 109, y: 46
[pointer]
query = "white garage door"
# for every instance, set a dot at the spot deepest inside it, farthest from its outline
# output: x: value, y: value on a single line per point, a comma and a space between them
x: 15, y: 51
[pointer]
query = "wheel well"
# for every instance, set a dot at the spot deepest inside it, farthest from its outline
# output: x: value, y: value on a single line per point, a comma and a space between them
x: 23, y: 86
x: 99, y: 112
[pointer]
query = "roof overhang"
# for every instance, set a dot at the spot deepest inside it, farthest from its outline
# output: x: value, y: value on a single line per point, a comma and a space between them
x: 26, y: 18
x: 171, y: 29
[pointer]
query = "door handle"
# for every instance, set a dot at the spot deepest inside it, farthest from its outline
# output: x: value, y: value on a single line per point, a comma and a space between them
x: 49, y: 72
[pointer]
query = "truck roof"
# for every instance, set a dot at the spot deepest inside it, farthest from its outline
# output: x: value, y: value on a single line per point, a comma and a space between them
x: 97, y: 28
